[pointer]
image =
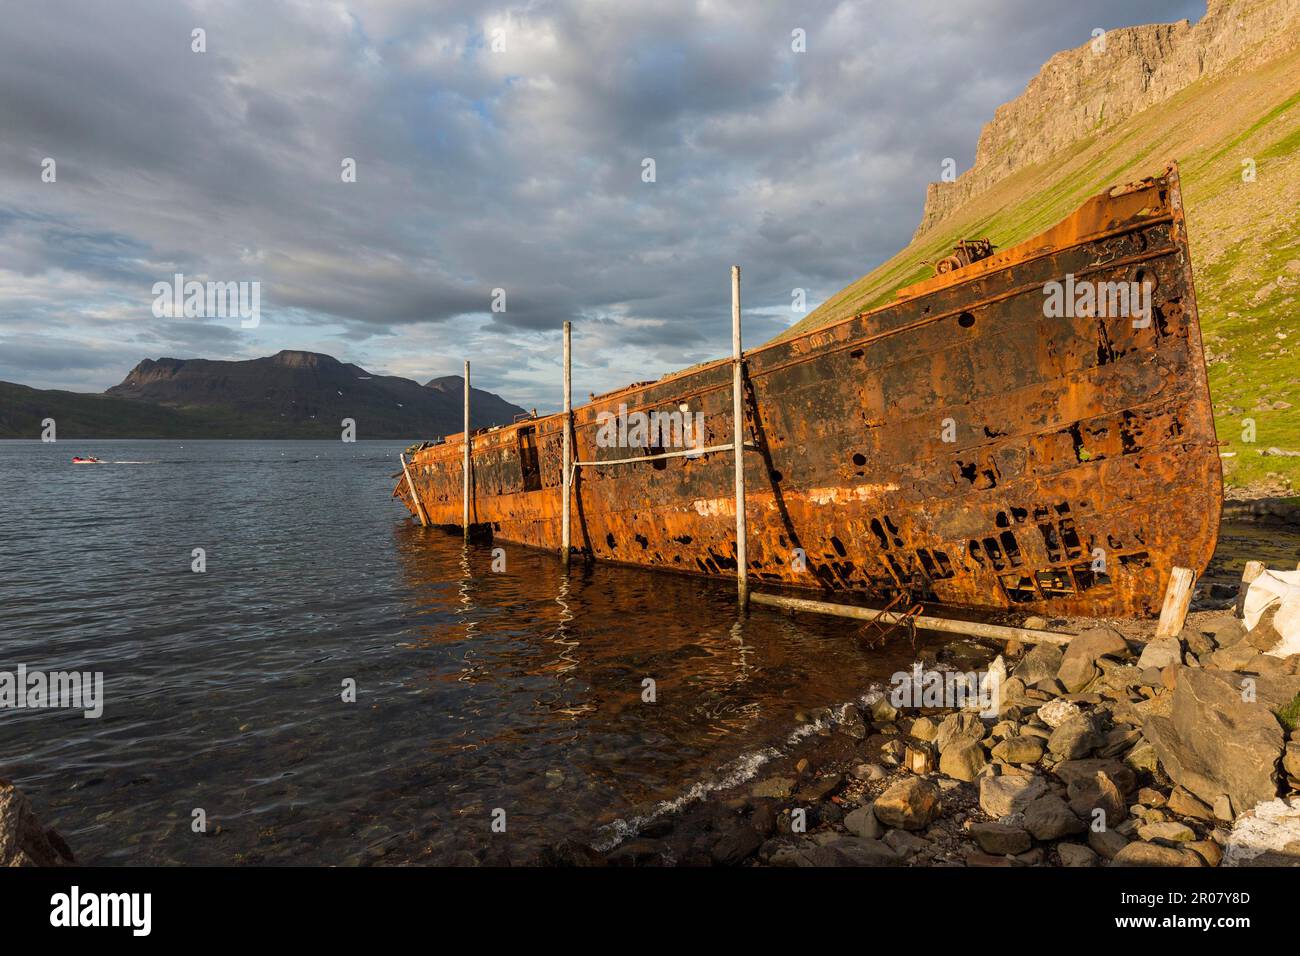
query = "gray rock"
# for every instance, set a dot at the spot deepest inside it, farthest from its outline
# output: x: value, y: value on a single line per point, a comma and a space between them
x: 1001, y: 796
x: 1079, y: 663
x: 1099, y: 793
x: 1050, y: 818
x: 1216, y: 744
x: 906, y: 844
x: 1081, y: 772
x: 850, y: 723
x: 854, y: 851
x: 735, y: 846
x: 1076, y: 738
x: 1161, y: 652
x: 1076, y: 855
x: 1107, y: 843
x: 862, y: 822
x: 1000, y: 839
x: 1041, y: 663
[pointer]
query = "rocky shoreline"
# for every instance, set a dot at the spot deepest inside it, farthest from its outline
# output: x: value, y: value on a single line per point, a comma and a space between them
x: 23, y: 840
x: 1119, y: 750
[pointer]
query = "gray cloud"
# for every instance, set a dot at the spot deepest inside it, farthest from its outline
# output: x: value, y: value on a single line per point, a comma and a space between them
x: 477, y: 169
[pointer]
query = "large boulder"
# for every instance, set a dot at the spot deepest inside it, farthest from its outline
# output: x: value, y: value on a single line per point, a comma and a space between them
x: 1079, y: 663
x: 1041, y: 663
x: 1219, y: 742
x: 912, y: 804
x: 1099, y: 793
x: 1160, y: 653
x: 1000, y: 839
x: 1050, y: 818
x: 963, y: 760
x: 958, y: 728
x: 1020, y: 749
x: 23, y: 841
x: 863, y: 823
x: 1076, y: 738
x: 1002, y: 796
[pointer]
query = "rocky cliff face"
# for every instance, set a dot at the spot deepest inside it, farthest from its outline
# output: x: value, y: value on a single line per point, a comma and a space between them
x: 1081, y: 93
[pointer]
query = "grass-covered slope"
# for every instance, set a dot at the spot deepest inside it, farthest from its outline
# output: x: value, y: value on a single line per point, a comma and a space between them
x: 1245, y: 239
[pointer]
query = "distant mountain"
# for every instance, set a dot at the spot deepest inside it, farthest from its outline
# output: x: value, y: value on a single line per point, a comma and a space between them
x: 287, y: 395
x: 485, y: 403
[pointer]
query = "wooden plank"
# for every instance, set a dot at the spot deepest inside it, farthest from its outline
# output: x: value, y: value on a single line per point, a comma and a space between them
x: 465, y: 504
x: 1178, y: 597
x: 997, y: 632
x: 738, y: 439
x: 419, y: 505
x: 567, y: 476
x: 1250, y: 572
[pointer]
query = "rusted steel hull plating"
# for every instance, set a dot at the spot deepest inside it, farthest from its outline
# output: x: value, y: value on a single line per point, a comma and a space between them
x: 1079, y: 467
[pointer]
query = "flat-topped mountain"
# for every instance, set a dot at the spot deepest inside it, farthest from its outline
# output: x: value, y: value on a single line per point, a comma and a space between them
x: 291, y: 394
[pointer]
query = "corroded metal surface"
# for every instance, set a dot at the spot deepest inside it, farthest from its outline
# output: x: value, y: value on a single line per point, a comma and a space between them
x: 1072, y: 438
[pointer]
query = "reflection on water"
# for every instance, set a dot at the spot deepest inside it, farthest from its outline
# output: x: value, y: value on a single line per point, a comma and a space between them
x: 524, y: 690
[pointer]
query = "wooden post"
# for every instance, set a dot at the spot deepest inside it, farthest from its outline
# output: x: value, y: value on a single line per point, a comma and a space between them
x: 738, y: 440
x: 997, y: 632
x: 1177, y: 598
x: 568, y: 441
x: 1250, y: 572
x: 465, y: 506
x: 419, y: 506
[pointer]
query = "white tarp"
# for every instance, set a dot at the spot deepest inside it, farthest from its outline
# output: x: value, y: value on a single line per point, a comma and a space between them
x: 1280, y: 589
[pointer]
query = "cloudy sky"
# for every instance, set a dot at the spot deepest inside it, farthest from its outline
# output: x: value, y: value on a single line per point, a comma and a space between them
x: 497, y: 146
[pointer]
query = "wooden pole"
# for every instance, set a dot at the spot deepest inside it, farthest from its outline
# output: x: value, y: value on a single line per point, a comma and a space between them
x: 419, y: 506
x: 568, y: 442
x: 1178, y: 596
x: 465, y: 505
x: 738, y: 440
x: 997, y: 632
x: 1250, y: 572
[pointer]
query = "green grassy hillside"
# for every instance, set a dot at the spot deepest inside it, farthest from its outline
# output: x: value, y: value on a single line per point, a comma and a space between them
x: 1245, y: 239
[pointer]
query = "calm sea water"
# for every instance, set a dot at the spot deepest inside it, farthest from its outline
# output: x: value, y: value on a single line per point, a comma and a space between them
x: 476, y: 690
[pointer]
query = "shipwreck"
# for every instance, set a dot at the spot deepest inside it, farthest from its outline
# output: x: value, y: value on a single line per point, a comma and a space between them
x: 1015, y: 432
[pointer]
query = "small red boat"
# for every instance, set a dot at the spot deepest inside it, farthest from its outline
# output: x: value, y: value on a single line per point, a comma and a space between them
x: 89, y: 460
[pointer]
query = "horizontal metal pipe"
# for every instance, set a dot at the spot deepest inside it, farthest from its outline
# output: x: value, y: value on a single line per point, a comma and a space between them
x: 685, y: 452
x: 997, y: 632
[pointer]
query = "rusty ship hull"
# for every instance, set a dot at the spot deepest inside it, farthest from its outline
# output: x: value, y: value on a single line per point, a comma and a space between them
x: 956, y: 445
